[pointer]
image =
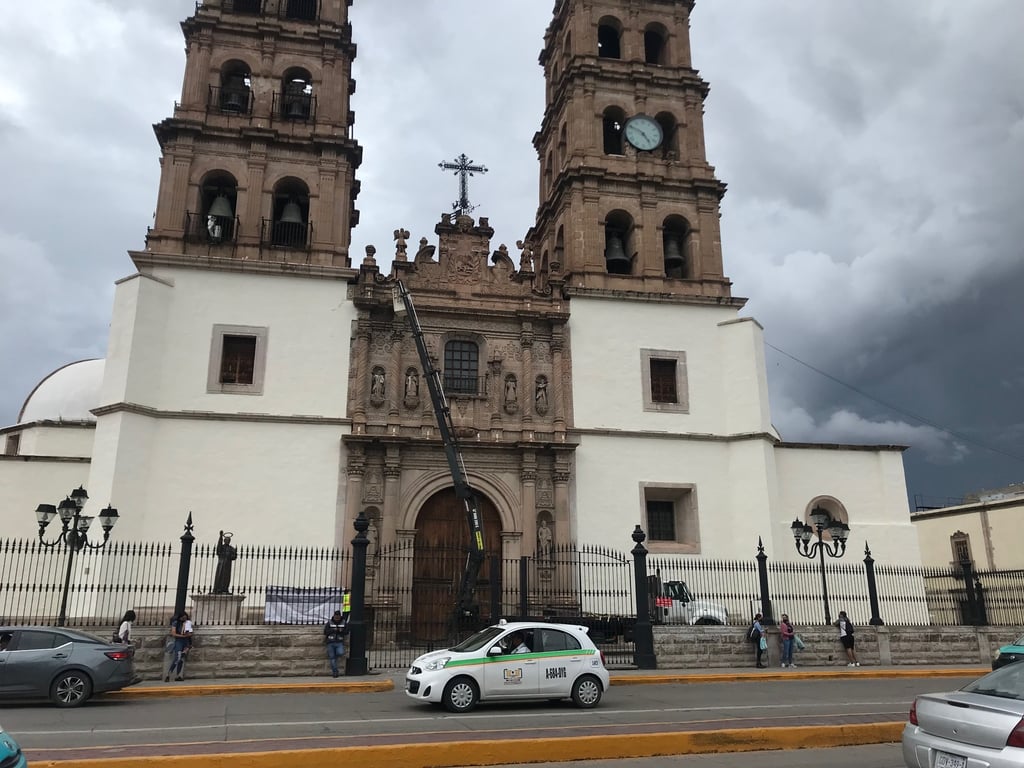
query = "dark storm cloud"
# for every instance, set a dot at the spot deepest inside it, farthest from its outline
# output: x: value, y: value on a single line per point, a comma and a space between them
x: 872, y: 151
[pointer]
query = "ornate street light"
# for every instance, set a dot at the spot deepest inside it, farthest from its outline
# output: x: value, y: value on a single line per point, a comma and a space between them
x: 802, y: 534
x: 74, y: 533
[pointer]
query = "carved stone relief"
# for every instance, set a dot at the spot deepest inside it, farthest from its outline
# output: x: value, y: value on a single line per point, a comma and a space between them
x: 511, y: 398
x: 378, y: 386
x: 373, y: 486
x: 540, y: 395
x: 545, y: 492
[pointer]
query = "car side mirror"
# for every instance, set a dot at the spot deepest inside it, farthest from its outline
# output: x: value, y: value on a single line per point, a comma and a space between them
x: 495, y: 651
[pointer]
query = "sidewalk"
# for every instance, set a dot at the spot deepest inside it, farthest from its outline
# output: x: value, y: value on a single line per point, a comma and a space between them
x: 388, y: 680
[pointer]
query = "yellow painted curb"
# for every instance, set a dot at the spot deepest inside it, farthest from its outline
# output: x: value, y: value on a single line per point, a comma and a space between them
x: 240, y: 689
x: 845, y: 673
x: 504, y: 751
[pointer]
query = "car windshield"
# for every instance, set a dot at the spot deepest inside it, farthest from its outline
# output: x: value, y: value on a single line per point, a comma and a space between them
x: 1006, y: 683
x: 479, y: 640
x: 1019, y: 640
x: 678, y: 590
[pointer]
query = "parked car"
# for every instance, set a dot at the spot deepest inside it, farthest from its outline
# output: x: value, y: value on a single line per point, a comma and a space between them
x: 982, y: 724
x: 677, y: 605
x: 1009, y: 653
x: 10, y: 752
x: 63, y: 665
x: 558, y: 661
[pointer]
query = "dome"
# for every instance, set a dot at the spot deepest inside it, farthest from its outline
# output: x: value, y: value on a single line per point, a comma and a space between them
x: 67, y: 394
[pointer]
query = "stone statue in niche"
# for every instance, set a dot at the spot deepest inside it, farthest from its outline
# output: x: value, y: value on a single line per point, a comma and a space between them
x: 378, y: 385
x: 545, y: 540
x: 412, y: 388
x: 371, y: 537
x: 511, y: 394
x: 540, y: 395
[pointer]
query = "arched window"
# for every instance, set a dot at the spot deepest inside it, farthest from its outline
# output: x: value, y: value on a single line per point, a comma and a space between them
x: 567, y: 48
x: 563, y: 146
x: 614, y: 119
x: 235, y: 93
x: 252, y: 7
x: 609, y: 38
x: 560, y: 247
x: 289, y: 224
x: 670, y: 132
x: 214, y: 221
x: 461, y: 366
x: 675, y: 232
x: 618, y: 236
x: 655, y: 44
x: 296, y: 100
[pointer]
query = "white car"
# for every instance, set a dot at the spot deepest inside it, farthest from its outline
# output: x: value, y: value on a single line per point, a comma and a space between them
x: 512, y: 660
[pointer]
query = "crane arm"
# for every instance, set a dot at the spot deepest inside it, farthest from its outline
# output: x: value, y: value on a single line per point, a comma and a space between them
x: 466, y: 606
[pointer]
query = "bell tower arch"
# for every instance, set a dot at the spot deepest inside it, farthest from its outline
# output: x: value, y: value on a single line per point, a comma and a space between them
x: 258, y: 160
x: 627, y: 196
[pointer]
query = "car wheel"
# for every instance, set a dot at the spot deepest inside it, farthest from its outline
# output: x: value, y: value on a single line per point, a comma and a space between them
x: 461, y: 695
x: 586, y: 692
x: 707, y: 621
x: 71, y: 689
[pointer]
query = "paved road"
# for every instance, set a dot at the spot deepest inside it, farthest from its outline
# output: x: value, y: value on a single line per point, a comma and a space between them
x: 215, y: 724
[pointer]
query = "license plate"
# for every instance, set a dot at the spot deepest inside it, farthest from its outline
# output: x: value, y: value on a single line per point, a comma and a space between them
x: 946, y: 760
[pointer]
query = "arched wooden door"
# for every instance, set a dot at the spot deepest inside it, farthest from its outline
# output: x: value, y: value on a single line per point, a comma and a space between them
x: 442, y: 543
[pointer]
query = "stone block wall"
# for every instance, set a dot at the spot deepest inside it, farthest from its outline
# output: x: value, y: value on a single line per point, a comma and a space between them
x: 695, y: 648
x: 298, y: 651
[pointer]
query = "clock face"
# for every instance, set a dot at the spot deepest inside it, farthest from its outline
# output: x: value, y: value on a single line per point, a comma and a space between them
x: 643, y: 132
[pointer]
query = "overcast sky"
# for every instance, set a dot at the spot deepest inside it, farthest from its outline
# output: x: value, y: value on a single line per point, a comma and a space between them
x: 874, y: 153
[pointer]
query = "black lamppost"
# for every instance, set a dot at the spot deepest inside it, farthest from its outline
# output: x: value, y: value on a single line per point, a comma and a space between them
x: 802, y: 533
x: 74, y: 534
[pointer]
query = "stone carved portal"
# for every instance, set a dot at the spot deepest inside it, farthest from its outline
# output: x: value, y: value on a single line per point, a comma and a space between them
x: 442, y: 539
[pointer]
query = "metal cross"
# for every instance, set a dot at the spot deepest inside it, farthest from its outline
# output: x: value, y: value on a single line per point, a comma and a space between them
x: 463, y: 168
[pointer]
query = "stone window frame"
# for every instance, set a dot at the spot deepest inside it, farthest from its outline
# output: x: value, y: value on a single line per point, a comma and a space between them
x: 682, y: 380
x: 213, y: 383
x: 687, y: 516
x: 958, y: 540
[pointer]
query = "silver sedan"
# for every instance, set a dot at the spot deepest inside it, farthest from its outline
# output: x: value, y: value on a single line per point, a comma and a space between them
x: 979, y: 726
x: 63, y: 665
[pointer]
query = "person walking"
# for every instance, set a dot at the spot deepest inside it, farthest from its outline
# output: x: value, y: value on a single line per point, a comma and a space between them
x: 124, y: 632
x: 334, y: 636
x: 845, y: 627
x: 182, y: 631
x: 756, y: 636
x: 787, y: 635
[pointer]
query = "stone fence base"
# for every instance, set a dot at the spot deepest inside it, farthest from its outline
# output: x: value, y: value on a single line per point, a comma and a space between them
x: 718, y: 647
x: 298, y: 651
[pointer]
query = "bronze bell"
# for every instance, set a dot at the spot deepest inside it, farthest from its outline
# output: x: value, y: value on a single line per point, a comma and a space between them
x: 615, y: 256
x: 674, y: 261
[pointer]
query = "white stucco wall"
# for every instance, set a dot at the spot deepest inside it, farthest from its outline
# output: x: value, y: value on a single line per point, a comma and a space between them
x: 727, y: 388
x: 65, y: 440
x: 161, y: 335
x: 871, y: 486
x: 25, y: 483
x: 993, y: 530
x: 270, y: 483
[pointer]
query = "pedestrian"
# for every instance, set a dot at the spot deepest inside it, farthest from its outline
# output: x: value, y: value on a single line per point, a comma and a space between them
x: 124, y: 632
x: 182, y: 630
x: 334, y: 636
x: 756, y: 636
x: 787, y: 635
x: 845, y: 627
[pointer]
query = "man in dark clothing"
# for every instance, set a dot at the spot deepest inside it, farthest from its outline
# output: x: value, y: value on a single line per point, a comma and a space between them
x: 334, y: 636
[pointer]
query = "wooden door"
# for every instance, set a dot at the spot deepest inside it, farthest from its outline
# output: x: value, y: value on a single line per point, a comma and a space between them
x: 442, y: 543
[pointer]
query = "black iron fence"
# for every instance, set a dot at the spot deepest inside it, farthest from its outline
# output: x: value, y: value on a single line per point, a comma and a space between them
x: 411, y: 590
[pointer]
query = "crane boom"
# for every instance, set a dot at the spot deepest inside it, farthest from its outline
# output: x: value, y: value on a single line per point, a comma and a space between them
x: 466, y: 606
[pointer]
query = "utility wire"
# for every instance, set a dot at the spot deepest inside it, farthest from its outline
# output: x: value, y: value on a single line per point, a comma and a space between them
x: 901, y: 411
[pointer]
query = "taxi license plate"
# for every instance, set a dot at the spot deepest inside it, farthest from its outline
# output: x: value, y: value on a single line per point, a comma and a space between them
x: 946, y: 760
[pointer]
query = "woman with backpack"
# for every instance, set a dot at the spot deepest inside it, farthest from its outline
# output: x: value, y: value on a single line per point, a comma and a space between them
x: 845, y: 627
x: 756, y: 636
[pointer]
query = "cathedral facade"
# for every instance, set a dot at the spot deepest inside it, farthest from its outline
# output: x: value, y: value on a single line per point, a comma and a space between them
x: 599, y: 378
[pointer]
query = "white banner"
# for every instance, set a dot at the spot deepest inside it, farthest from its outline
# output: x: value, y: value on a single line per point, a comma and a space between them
x: 294, y: 605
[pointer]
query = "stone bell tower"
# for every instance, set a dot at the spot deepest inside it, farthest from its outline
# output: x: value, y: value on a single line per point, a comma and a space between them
x: 258, y: 161
x: 628, y: 201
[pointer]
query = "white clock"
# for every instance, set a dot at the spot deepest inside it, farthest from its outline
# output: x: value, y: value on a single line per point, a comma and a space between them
x: 643, y: 132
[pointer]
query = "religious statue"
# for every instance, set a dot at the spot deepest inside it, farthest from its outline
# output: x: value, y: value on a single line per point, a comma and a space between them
x: 510, y: 389
x: 371, y: 538
x: 226, y: 554
x: 377, y: 384
x: 541, y: 395
x: 544, y: 537
x: 401, y: 246
x: 412, y: 383
x: 526, y: 258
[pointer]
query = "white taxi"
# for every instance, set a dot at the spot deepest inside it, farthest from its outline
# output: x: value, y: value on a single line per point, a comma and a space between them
x: 512, y: 660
